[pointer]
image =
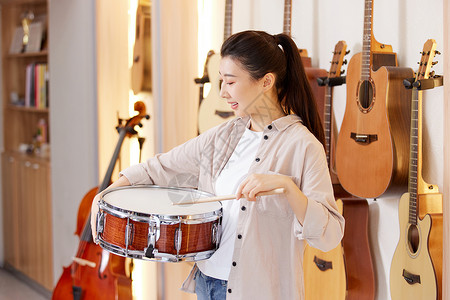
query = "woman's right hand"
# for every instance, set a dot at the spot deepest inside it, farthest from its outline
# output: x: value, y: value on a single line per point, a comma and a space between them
x: 122, y: 181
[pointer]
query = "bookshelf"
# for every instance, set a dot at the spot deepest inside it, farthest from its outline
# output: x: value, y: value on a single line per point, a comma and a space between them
x: 26, y: 157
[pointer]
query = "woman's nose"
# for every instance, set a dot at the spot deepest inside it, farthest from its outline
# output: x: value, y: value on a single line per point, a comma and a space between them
x: 223, y: 93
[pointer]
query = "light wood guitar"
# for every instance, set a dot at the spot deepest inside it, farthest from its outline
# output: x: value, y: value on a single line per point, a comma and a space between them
x: 319, y: 266
x: 372, y: 147
x: 416, y: 268
x: 214, y: 110
x: 348, y: 268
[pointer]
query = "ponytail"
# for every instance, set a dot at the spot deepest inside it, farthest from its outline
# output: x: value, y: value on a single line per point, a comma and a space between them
x: 261, y: 53
x: 296, y: 95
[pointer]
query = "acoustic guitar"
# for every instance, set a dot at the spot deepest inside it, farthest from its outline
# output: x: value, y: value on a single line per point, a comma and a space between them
x: 416, y: 268
x: 319, y: 266
x: 213, y: 109
x: 348, y: 268
x: 372, y: 146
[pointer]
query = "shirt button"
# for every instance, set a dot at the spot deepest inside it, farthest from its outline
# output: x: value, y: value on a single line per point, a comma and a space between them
x: 266, y: 137
x: 257, y: 159
x: 234, y: 264
x: 229, y: 291
x: 239, y: 236
x: 270, y: 126
x: 243, y: 208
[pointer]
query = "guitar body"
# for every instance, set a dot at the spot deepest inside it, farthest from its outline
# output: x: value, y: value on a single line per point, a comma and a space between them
x: 367, y: 166
x: 329, y: 267
x: 415, y: 262
x: 213, y: 110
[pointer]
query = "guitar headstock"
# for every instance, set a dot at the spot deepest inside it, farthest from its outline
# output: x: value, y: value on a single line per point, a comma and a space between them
x: 426, y: 59
x: 338, y: 59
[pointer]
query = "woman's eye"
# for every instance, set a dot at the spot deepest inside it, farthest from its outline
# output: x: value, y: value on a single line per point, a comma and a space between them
x: 230, y: 83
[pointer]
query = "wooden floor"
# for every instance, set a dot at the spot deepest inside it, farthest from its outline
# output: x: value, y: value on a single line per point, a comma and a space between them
x: 12, y: 287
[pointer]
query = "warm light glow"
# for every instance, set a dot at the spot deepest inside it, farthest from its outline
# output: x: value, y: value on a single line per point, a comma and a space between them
x: 132, y: 9
x: 205, y: 31
x: 137, y: 272
x: 205, y: 16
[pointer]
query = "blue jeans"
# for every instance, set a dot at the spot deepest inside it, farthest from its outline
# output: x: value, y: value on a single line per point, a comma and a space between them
x: 209, y: 288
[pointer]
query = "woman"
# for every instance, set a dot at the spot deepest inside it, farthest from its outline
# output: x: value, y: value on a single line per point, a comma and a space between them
x: 275, y: 142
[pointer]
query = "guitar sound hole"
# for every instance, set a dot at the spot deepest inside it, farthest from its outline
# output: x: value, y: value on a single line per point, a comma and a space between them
x: 413, y: 238
x: 365, y: 94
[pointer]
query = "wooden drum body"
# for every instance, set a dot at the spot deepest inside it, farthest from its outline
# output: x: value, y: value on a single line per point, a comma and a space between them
x: 142, y: 222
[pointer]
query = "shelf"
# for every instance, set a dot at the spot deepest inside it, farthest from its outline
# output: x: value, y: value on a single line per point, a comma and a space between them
x: 42, y: 54
x: 24, y: 156
x: 27, y: 109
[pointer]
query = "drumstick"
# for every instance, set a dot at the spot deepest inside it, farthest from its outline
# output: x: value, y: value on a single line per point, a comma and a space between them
x: 228, y: 197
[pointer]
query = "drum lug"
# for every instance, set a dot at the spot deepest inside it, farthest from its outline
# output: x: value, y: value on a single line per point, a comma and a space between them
x: 153, y: 236
x: 177, y: 239
x: 100, y: 222
x: 215, y: 234
x: 129, y: 234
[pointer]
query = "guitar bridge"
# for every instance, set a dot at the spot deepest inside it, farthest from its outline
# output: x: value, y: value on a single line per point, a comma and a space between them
x: 323, y: 265
x: 411, y: 278
x: 364, y: 138
x: 224, y: 114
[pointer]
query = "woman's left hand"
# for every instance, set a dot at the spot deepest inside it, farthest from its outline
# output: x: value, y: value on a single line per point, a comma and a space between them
x: 256, y: 183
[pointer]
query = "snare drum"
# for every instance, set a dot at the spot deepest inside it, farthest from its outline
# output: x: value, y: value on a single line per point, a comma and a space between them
x: 142, y: 222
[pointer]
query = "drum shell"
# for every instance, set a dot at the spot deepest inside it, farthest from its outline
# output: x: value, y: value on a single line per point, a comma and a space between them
x: 158, y: 231
x: 194, y: 237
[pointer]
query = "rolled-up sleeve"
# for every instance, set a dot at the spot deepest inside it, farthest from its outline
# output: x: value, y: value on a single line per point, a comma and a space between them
x: 323, y: 226
x: 177, y: 167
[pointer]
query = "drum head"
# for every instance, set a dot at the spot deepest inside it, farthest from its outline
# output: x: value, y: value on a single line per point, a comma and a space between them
x: 151, y: 200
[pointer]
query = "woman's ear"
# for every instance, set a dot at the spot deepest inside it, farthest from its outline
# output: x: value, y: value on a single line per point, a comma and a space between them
x: 268, y: 81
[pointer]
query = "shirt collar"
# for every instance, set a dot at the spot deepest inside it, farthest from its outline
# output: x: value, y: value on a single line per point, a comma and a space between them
x: 280, y: 123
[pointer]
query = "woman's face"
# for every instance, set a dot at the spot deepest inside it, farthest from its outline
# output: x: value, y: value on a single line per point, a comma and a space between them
x: 244, y: 94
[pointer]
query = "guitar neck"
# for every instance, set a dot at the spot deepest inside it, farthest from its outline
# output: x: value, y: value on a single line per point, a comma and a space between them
x: 228, y: 19
x: 328, y: 119
x: 367, y: 40
x: 415, y: 157
x: 287, y: 17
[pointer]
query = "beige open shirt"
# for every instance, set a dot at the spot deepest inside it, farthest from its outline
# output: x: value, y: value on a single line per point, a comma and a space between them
x: 269, y: 242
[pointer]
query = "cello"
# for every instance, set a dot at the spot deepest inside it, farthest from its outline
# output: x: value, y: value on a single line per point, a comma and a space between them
x: 95, y: 273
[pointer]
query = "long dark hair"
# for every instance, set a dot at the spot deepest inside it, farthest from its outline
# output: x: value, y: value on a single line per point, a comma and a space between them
x: 261, y: 53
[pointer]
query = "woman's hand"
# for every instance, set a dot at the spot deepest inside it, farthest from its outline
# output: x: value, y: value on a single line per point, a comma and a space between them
x: 256, y: 183
x: 122, y: 181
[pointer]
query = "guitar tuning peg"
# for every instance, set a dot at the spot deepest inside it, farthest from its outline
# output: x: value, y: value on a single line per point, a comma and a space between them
x: 344, y: 62
x: 342, y: 72
x: 347, y: 52
x: 432, y: 73
x: 433, y: 63
x: 437, y: 52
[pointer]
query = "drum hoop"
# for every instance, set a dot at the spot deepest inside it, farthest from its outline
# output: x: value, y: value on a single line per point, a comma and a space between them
x: 159, y: 256
x: 144, y: 217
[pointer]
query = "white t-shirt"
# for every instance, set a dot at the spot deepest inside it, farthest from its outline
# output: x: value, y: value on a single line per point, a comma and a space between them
x: 227, y: 183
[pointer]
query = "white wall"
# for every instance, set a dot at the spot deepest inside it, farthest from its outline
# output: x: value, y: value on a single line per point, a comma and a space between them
x: 73, y: 108
x: 405, y: 24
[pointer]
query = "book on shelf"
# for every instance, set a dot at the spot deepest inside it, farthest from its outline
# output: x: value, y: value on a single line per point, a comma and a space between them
x: 17, y: 41
x: 36, y: 85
